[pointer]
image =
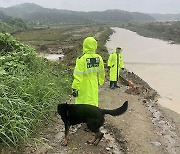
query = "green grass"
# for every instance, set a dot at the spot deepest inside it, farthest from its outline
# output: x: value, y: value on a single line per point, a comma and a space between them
x: 52, y: 33
x: 41, y: 35
x: 30, y: 88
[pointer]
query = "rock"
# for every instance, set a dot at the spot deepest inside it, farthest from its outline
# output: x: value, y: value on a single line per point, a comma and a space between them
x: 156, y: 143
x: 111, y: 146
x: 144, y: 101
x: 59, y: 136
x: 53, y: 144
x: 108, y: 149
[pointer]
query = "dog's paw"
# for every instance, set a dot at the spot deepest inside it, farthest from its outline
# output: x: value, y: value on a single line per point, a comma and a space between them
x: 64, y: 142
x: 89, y: 142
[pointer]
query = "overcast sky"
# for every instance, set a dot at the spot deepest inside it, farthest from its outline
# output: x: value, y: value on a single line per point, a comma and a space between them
x: 147, y: 6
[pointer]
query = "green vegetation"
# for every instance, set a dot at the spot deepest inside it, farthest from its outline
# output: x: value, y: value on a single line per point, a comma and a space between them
x: 46, y: 34
x: 169, y: 31
x: 30, y: 88
x: 11, y: 25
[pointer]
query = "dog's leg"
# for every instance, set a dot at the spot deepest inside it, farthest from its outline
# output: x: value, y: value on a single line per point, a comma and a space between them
x: 94, y: 125
x: 64, y: 142
x: 91, y: 124
x: 99, y: 137
x: 93, y: 140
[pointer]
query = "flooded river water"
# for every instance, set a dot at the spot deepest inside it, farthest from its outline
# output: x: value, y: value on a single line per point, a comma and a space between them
x: 155, y: 61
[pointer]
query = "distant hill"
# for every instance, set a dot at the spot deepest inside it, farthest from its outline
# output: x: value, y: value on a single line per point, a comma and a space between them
x: 116, y: 15
x: 56, y: 16
x: 166, y: 17
x: 3, y: 16
x: 33, y: 12
x: 19, y: 11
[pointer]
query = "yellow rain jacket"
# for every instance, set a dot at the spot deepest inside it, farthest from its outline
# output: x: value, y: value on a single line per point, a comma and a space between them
x: 115, y: 62
x: 88, y: 72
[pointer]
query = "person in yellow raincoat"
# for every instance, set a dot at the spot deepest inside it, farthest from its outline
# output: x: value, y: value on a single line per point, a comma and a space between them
x: 115, y: 63
x: 88, y: 73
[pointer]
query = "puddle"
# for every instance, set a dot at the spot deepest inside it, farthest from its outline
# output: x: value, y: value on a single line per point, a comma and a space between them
x: 53, y: 57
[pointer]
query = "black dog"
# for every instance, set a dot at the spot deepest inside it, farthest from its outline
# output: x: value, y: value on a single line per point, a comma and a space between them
x: 73, y: 114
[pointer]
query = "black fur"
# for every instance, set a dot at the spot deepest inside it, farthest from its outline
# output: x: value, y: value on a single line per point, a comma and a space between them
x: 73, y: 114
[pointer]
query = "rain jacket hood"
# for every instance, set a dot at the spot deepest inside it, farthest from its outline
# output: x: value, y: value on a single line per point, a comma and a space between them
x: 89, y: 45
x: 115, y: 51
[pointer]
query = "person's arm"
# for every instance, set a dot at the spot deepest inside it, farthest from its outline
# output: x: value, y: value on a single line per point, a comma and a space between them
x: 101, y: 72
x: 78, y: 74
x: 110, y: 61
x: 121, y: 62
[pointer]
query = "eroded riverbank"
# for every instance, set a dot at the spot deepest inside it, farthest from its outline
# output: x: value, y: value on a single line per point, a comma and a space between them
x: 155, y: 61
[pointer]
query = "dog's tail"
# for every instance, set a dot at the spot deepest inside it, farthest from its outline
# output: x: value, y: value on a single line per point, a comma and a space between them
x: 117, y: 111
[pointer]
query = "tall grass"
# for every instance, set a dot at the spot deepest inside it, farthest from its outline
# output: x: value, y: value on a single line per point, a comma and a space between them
x: 30, y: 88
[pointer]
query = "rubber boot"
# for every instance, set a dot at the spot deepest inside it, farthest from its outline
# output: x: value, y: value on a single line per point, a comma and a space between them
x: 115, y: 84
x: 112, y: 86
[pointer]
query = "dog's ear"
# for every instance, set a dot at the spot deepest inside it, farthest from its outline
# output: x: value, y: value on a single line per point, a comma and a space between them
x: 66, y: 109
x: 66, y: 104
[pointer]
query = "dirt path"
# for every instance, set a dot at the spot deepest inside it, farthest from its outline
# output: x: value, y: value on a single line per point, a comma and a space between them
x: 135, y: 125
x: 147, y: 127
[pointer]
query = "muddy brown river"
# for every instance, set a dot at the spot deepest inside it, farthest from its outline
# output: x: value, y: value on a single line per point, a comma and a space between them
x: 155, y: 61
